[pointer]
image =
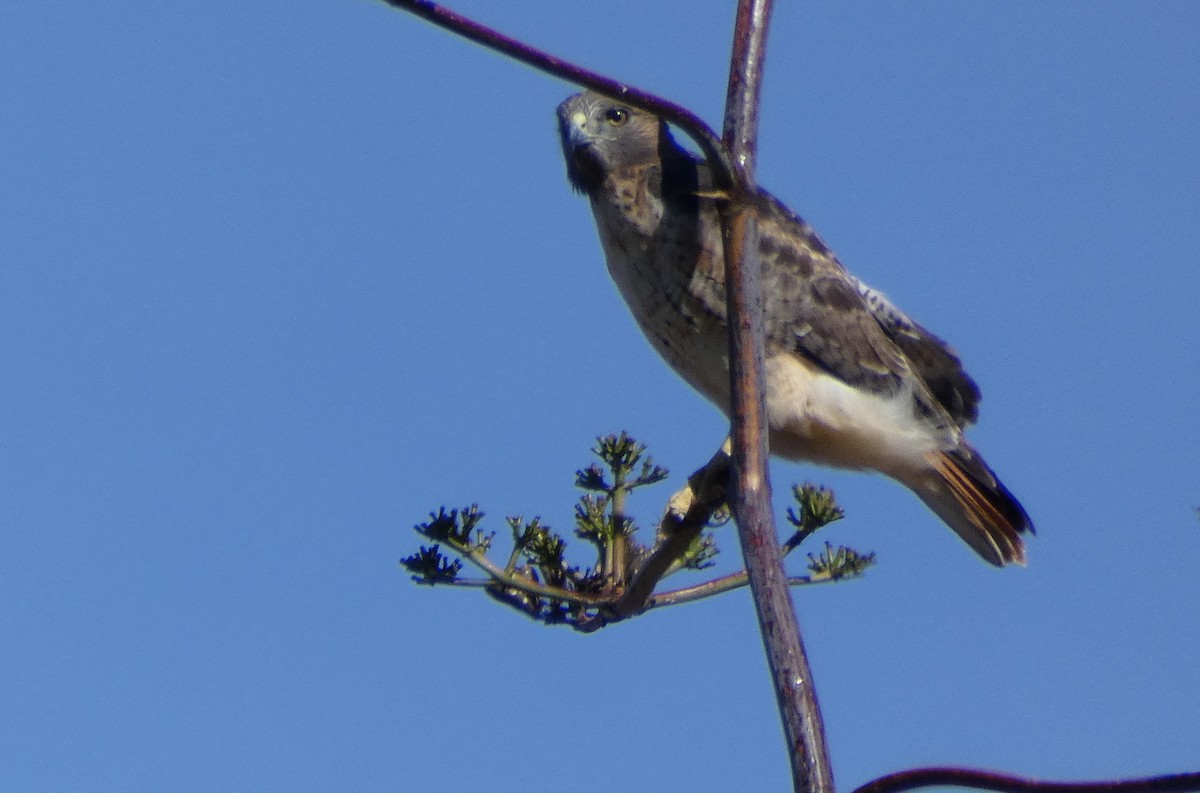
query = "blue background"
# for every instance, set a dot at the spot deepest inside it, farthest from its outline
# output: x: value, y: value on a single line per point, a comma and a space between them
x: 276, y: 279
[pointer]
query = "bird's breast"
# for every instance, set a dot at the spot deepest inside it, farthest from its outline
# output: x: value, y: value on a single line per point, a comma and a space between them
x: 668, y: 269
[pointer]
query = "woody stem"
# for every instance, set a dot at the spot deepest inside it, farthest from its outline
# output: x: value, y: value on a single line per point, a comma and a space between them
x: 751, y: 501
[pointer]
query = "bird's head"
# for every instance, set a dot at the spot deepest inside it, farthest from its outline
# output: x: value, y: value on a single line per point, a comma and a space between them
x: 601, y: 134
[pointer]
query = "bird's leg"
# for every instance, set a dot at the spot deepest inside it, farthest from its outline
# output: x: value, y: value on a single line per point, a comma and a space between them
x: 686, y: 515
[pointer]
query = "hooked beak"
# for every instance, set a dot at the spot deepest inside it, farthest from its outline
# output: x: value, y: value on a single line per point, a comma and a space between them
x: 585, y: 170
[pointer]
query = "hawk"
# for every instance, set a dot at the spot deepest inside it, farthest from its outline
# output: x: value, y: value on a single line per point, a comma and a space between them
x: 851, y: 380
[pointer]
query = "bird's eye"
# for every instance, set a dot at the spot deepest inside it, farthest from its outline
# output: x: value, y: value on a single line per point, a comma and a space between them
x: 616, y: 116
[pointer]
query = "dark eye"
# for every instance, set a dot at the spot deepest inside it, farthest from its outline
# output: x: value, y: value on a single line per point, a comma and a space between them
x: 616, y: 116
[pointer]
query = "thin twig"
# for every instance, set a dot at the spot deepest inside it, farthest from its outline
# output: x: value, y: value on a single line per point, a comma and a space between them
x: 719, y: 586
x: 990, y: 780
x: 790, y: 673
x: 505, y: 578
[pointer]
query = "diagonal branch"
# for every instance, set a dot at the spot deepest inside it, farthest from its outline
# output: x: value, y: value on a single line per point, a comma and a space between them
x: 688, y: 512
x: 513, y: 580
x: 727, y: 175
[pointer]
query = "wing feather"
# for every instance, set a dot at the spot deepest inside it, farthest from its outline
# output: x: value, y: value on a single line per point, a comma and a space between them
x: 933, y: 360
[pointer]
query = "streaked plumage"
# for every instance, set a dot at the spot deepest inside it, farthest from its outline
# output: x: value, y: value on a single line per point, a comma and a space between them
x: 851, y: 380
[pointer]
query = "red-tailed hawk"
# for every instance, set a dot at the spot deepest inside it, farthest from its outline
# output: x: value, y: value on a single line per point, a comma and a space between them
x: 851, y: 381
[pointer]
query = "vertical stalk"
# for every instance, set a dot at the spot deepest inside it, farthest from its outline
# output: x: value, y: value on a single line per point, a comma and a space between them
x: 618, y: 548
x: 751, y: 502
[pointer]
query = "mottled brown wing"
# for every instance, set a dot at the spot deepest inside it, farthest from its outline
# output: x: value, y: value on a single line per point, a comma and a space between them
x: 853, y: 331
x: 932, y: 359
x: 825, y: 315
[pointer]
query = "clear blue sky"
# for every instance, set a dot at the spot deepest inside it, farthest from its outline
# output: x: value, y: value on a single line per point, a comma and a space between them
x: 277, y: 278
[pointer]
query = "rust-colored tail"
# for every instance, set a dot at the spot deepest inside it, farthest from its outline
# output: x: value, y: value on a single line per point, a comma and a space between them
x: 968, y: 496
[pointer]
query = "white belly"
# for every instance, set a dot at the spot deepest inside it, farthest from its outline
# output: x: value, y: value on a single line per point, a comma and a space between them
x: 815, y: 416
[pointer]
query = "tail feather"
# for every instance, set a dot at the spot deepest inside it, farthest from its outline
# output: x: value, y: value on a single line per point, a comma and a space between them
x: 965, y: 493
